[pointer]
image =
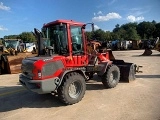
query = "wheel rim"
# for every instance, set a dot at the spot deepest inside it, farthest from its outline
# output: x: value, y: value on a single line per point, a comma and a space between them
x: 75, y: 89
x: 114, y: 76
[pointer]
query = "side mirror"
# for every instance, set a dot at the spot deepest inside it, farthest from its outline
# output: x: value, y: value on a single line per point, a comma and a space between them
x: 84, y: 26
x: 92, y: 25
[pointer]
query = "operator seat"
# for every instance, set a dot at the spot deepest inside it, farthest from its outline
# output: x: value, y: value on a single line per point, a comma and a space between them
x: 76, y: 45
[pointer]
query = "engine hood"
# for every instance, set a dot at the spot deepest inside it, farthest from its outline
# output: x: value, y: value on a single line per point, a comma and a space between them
x: 45, y: 58
x: 39, y: 58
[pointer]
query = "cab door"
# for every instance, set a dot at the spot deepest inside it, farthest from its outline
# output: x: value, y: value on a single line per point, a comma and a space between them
x: 78, y: 55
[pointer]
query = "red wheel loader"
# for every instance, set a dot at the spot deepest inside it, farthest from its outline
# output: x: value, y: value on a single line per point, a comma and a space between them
x: 63, y: 64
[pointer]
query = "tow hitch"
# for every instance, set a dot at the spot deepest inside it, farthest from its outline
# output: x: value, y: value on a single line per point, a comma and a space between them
x: 137, y: 67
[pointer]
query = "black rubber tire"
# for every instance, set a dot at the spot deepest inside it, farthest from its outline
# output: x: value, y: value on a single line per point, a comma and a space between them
x: 72, y: 89
x: 111, y: 77
x: 0, y: 71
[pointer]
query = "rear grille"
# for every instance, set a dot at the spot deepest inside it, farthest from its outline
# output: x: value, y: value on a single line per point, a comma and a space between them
x: 27, y: 67
x: 51, y: 68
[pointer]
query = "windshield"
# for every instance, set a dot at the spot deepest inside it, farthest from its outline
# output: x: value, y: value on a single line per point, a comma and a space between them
x: 56, y: 36
x: 11, y: 43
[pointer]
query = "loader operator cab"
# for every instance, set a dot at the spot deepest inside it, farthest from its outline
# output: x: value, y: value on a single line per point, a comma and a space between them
x: 12, y: 44
x: 55, y: 37
x: 58, y: 37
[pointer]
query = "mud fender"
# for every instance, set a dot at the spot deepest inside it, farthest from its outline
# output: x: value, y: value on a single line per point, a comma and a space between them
x: 81, y: 71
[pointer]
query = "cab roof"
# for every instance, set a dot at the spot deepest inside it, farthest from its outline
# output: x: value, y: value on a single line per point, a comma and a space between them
x: 63, y: 21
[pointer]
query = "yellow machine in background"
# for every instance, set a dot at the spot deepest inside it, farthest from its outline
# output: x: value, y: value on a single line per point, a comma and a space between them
x: 12, y: 52
x: 13, y: 46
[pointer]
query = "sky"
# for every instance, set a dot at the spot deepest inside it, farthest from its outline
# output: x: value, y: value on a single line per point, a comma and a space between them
x: 17, y: 16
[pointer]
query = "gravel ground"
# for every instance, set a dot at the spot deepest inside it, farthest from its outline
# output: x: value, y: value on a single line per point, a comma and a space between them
x: 137, y: 100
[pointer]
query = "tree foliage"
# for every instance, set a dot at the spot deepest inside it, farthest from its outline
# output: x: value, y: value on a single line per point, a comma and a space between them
x: 146, y: 29
x: 128, y: 31
x: 11, y: 37
x: 27, y: 37
x: 24, y: 36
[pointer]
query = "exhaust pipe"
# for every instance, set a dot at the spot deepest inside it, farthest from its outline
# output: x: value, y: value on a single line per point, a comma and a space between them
x: 39, y: 36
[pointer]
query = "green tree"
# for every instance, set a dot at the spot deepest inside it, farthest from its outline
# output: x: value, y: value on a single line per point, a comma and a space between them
x: 129, y: 31
x: 116, y: 32
x: 121, y: 34
x: 99, y: 35
x: 89, y: 35
x: 132, y: 34
x: 150, y: 29
x: 27, y: 37
x: 11, y: 37
x: 154, y: 22
x: 115, y: 36
x: 157, y: 31
x: 146, y: 29
x: 108, y: 36
x: 129, y: 25
x: 117, y: 26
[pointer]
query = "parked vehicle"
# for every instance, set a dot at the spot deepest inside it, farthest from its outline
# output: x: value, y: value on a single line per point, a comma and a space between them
x: 63, y: 66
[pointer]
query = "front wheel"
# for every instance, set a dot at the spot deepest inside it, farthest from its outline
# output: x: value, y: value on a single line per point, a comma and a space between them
x: 111, y: 77
x: 72, y: 88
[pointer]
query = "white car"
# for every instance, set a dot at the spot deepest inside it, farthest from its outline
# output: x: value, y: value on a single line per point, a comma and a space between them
x: 29, y: 47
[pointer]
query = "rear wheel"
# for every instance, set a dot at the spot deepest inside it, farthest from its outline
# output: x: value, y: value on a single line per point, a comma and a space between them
x: 72, y: 88
x: 111, y: 77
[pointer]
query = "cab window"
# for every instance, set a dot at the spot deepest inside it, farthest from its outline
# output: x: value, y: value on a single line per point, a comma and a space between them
x: 76, y: 38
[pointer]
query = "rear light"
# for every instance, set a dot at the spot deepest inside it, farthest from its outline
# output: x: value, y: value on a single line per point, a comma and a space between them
x: 39, y: 74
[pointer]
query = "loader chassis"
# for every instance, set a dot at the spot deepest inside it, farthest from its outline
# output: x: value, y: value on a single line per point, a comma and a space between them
x: 63, y: 65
